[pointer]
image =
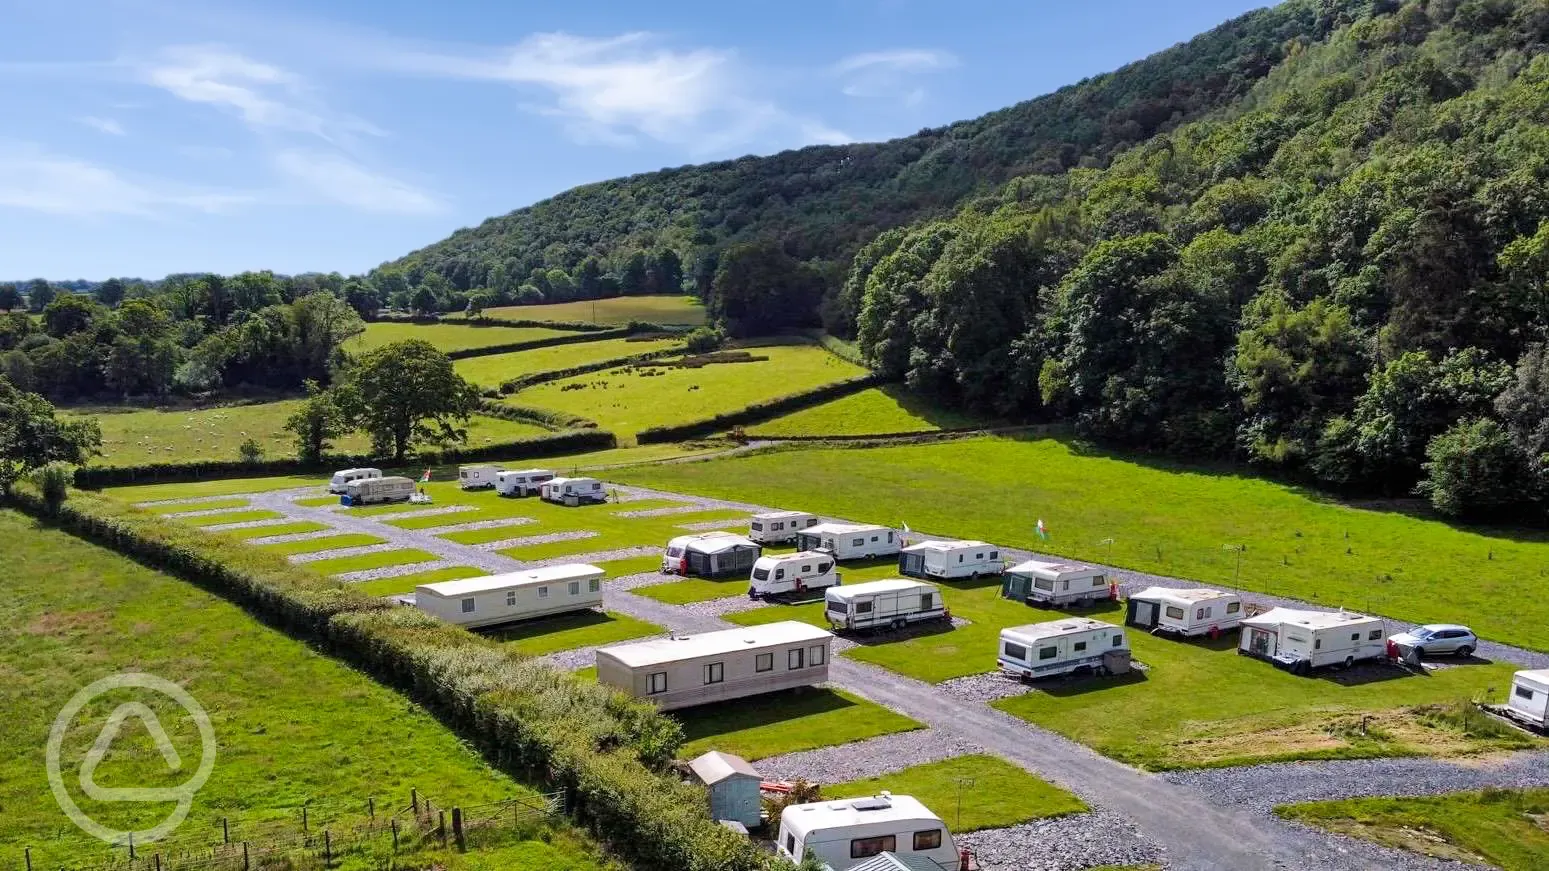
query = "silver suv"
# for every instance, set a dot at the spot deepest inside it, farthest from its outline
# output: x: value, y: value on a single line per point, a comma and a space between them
x: 1438, y: 639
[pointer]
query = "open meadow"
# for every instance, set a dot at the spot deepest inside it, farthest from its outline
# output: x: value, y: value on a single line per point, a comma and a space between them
x: 495, y: 369
x: 670, y: 309
x: 877, y: 411
x: 447, y: 337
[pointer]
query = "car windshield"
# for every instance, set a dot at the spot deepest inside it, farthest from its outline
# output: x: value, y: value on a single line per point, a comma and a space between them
x: 1422, y: 633
x: 674, y: 551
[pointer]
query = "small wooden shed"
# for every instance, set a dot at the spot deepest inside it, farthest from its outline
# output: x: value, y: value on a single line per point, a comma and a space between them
x: 733, y: 786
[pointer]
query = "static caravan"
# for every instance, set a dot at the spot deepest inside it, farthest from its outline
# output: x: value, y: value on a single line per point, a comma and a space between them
x: 1529, y: 702
x: 950, y: 559
x: 1061, y: 584
x: 687, y: 670
x: 573, y: 491
x: 1303, y: 640
x: 477, y: 477
x: 710, y: 555
x: 374, y: 491
x: 778, y: 527
x: 1072, y: 645
x: 525, y: 482
x: 848, y: 541
x: 792, y: 574
x: 343, y: 477
x: 890, y: 604
x: 846, y: 833
x: 495, y: 599
x: 1184, y: 612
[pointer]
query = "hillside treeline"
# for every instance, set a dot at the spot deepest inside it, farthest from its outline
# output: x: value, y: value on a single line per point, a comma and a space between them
x: 1343, y: 278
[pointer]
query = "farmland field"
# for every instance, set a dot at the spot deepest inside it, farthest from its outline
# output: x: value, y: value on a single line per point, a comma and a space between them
x: 447, y: 337
x: 888, y: 409
x: 969, y: 792
x: 614, y: 311
x: 495, y: 369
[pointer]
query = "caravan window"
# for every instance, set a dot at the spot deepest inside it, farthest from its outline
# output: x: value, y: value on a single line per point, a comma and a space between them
x: 1078, y: 646
x: 1118, y: 640
x: 779, y: 574
x: 674, y: 551
x: 575, y: 588
x: 760, y: 574
x: 1201, y: 613
x: 930, y: 840
x: 1376, y: 635
x: 790, y: 844
x: 859, y: 542
x: 994, y: 554
x: 1048, y: 652
x: 1044, y: 584
x: 1355, y: 636
x: 1317, y: 644
x: 806, y: 569
x: 812, y: 522
x: 1233, y: 607
x: 468, y: 606
x: 715, y: 672
x: 793, y: 658
x: 657, y: 682
x: 815, y: 655
x: 959, y: 557
x: 758, y: 527
x: 1524, y: 693
x: 1174, y: 612
x: 863, y: 607
x: 543, y: 592
x: 1097, y: 581
x: 862, y: 848
x: 823, y: 568
x: 510, y: 597
x: 927, y: 601
x: 1015, y: 651
x: 763, y: 662
x: 595, y: 585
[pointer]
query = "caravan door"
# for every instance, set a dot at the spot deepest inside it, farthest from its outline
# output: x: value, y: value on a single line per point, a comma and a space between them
x: 912, y: 564
x: 1261, y: 642
x: 1142, y: 614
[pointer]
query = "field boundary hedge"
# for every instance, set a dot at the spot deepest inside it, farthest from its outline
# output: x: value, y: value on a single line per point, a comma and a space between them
x: 607, y: 751
x: 515, y: 385
x: 555, y: 420
x: 759, y: 412
x: 426, y: 320
x: 571, y: 441
x: 551, y: 341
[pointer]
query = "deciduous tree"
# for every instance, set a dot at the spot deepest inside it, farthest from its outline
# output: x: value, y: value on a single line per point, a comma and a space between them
x: 407, y: 392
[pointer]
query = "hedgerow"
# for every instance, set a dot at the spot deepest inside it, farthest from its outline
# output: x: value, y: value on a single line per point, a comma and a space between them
x: 759, y: 412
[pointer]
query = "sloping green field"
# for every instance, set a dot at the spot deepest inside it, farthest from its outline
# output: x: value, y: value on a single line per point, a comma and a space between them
x: 494, y: 369
x: 878, y: 411
x: 447, y: 336
x: 613, y: 311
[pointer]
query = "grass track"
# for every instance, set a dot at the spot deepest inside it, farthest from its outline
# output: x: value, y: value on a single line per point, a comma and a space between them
x: 1001, y: 794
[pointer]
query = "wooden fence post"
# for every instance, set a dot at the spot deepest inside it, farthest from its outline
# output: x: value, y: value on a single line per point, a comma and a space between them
x: 395, y: 837
x: 131, y: 846
x: 371, y: 808
x: 244, y: 856
x: 327, y: 849
x: 457, y: 829
x: 225, y: 830
x: 158, y: 862
x: 303, y: 819
x: 28, y: 853
x: 414, y: 799
x: 441, y: 828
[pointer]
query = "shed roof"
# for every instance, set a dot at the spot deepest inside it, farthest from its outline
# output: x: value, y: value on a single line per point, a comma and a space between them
x: 513, y: 580
x: 660, y: 651
x: 715, y: 766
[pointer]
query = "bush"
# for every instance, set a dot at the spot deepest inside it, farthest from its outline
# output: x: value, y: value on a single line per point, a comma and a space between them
x: 53, y: 481
x: 704, y: 340
x: 1475, y: 471
x: 250, y: 451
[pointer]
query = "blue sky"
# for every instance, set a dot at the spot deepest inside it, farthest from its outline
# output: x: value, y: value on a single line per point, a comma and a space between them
x: 143, y: 137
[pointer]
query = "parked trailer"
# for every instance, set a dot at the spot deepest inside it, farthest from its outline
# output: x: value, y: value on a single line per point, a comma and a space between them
x: 343, y: 477
x: 849, y: 541
x: 374, y: 491
x: 686, y: 670
x: 1060, y: 584
x: 792, y: 574
x: 843, y: 834
x: 523, y: 482
x: 710, y: 555
x: 1529, y: 700
x: 1301, y: 641
x: 496, y: 599
x: 477, y: 477
x: 1069, y: 646
x: 778, y: 527
x: 1184, y: 612
x: 950, y: 559
x: 892, y: 604
x: 573, y: 491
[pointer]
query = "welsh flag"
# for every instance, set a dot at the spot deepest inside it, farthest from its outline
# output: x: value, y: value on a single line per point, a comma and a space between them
x: 1043, y: 531
x: 425, y: 479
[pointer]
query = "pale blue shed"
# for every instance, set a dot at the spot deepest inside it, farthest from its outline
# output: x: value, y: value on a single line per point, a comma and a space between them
x: 733, y: 786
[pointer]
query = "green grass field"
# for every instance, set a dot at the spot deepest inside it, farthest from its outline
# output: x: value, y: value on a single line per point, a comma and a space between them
x: 627, y: 402
x: 211, y: 505
x: 614, y: 311
x: 238, y: 516
x: 1498, y: 827
x: 407, y: 583
x: 330, y: 542
x: 569, y: 631
x: 291, y: 726
x: 785, y: 722
x: 295, y: 528
x: 1160, y: 517
x: 447, y: 336
x: 692, y: 590
x: 496, y: 369
x: 970, y: 792
x: 880, y: 410
x: 379, y: 560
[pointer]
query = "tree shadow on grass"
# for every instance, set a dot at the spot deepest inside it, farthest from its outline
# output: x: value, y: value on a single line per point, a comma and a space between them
x: 932, y: 413
x: 547, y: 625
x: 735, y: 715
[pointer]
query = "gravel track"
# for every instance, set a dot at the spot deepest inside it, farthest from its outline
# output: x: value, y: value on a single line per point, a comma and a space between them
x: 573, y: 535
x: 984, y: 688
x: 247, y: 524
x: 661, y: 512
x: 340, y: 552
x: 395, y: 571
x: 583, y: 657
x: 294, y: 536
x: 1068, y: 843
x: 643, y: 579
x: 711, y: 525
x: 722, y: 607
x: 473, y: 525
x: 864, y: 759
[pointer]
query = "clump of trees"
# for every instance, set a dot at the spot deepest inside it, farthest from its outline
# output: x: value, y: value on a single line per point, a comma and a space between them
x: 32, y: 438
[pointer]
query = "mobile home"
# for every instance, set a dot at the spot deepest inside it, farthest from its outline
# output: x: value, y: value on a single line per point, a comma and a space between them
x: 477, y: 477
x: 1061, y: 584
x: 496, y: 599
x: 1529, y: 701
x: 710, y: 555
x: 374, y: 491
x: 794, y: 573
x: 1303, y: 640
x: 1184, y: 612
x: 778, y: 527
x: 950, y: 559
x: 1072, y: 645
x: 845, y: 833
x: 849, y: 541
x: 687, y: 670
x: 524, y: 482
x: 343, y: 477
x: 891, y: 604
x: 573, y: 491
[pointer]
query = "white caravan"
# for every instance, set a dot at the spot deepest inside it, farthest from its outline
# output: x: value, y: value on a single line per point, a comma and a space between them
x: 374, y: 491
x: 849, y: 541
x: 343, y: 477
x: 477, y: 477
x: 573, y: 491
x: 685, y: 670
x: 1073, y: 645
x: 950, y: 559
x: 845, y: 833
x: 891, y: 604
x: 778, y: 527
x: 526, y: 482
x: 1184, y: 612
x: 790, y: 574
x: 1060, y: 584
x: 1304, y: 640
x: 496, y: 599
x: 1529, y: 701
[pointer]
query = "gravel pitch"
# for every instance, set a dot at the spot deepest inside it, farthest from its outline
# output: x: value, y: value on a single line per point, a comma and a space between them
x: 423, y: 512
x: 1069, y: 843
x: 594, y: 557
x: 504, y: 543
x: 395, y: 571
x: 869, y: 758
x: 582, y: 657
x: 722, y: 607
x: 482, y: 524
x: 248, y: 524
x: 206, y: 512
x: 984, y: 688
x: 294, y: 536
x: 339, y: 552
x: 712, y: 525
x: 643, y: 579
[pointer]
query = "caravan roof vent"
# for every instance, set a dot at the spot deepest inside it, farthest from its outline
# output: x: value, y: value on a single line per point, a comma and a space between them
x: 876, y: 803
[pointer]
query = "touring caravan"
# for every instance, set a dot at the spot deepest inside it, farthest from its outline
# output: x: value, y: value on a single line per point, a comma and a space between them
x: 849, y: 541
x: 950, y: 559
x: 374, y: 491
x: 495, y: 599
x: 573, y: 491
x: 686, y: 670
x: 1304, y: 640
x: 710, y: 555
x: 1184, y: 612
x: 1072, y: 645
x: 891, y: 604
x: 343, y: 477
x: 779, y: 527
x: 843, y: 834
x: 1060, y: 584
x: 1529, y: 701
x: 791, y: 574
x: 525, y: 482
x: 477, y: 477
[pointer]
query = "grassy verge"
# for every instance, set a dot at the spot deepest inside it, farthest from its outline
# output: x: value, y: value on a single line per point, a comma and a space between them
x: 570, y: 631
x: 364, y: 562
x: 970, y: 792
x: 786, y: 722
x: 329, y: 542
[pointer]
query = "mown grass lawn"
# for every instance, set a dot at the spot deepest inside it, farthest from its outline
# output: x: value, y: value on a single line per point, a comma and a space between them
x: 970, y: 792
x: 379, y: 560
x: 295, y: 528
x: 691, y: 590
x: 213, y: 488
x: 671, y: 309
x: 1498, y: 827
x: 329, y: 542
x: 569, y: 631
x: 880, y: 410
x: 406, y: 583
x: 785, y: 722
x: 209, y: 505
x: 496, y: 369
x: 237, y: 516
x: 1159, y: 517
x: 447, y: 336
x: 292, y: 726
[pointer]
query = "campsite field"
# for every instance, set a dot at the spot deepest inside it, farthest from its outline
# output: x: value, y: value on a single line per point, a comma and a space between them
x: 786, y: 722
x: 672, y: 310
x: 292, y: 726
x: 1157, y: 517
x: 880, y: 410
x: 971, y: 792
x: 447, y: 336
x: 495, y: 369
x: 570, y: 631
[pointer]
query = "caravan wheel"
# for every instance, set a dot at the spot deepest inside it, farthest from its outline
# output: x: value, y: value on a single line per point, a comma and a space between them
x: 1349, y: 661
x: 899, y: 624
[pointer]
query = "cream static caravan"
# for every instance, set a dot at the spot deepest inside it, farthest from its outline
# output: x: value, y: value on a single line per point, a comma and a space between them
x: 686, y: 670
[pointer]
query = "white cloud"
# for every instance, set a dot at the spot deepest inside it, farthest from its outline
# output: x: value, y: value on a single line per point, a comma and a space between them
x: 339, y: 179
x: 31, y: 178
x: 887, y: 73
x: 897, y: 59
x: 104, y: 125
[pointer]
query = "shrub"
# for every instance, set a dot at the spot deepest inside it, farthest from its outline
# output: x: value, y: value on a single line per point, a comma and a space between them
x: 703, y: 340
x: 250, y: 451
x: 1475, y: 471
x: 53, y: 481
